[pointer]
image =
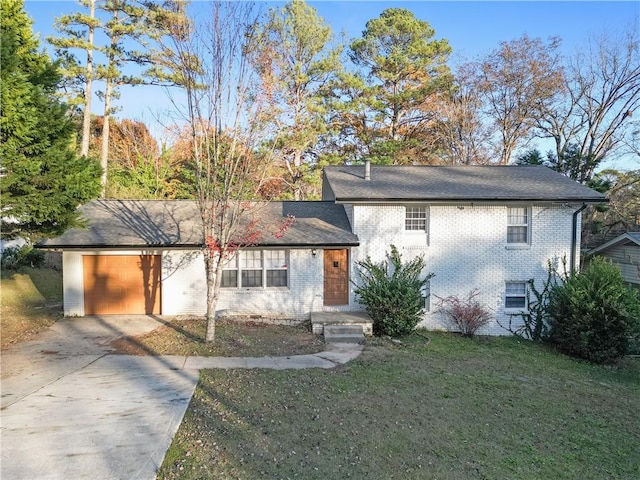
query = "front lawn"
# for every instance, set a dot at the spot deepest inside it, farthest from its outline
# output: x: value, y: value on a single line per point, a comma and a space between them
x: 31, y: 302
x: 452, y: 409
x: 186, y: 336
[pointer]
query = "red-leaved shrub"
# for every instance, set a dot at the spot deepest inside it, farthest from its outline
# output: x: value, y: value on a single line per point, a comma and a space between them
x: 466, y: 314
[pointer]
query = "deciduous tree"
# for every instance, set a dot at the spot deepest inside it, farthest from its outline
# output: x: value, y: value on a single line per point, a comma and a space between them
x: 294, y: 59
x: 602, y: 93
x: 224, y: 112
x: 516, y: 82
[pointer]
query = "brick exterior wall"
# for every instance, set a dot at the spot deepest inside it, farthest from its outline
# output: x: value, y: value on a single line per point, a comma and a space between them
x: 184, y: 289
x: 467, y: 249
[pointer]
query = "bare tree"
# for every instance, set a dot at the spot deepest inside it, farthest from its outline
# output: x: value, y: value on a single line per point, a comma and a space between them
x: 460, y: 134
x: 602, y: 92
x: 230, y: 146
x: 515, y: 82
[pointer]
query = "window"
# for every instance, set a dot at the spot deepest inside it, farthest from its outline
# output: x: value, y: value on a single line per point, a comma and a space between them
x: 516, y: 295
x: 415, y: 219
x: 518, y: 225
x: 255, y: 269
x: 230, y: 273
x: 276, y: 265
x: 251, y: 268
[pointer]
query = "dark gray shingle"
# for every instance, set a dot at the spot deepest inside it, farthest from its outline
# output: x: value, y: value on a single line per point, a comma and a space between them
x: 158, y: 223
x: 472, y: 183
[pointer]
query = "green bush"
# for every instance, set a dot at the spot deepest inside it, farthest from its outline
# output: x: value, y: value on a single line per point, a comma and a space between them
x: 534, y: 322
x: 393, y: 292
x: 13, y: 258
x: 595, y: 315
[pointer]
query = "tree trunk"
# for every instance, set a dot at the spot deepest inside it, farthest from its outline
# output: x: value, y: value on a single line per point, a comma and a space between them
x: 297, y: 163
x: 86, y: 117
x: 213, y: 267
x: 104, y: 153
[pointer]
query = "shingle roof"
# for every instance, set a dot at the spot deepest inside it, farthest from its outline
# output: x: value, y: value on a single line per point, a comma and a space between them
x: 458, y: 183
x: 158, y: 223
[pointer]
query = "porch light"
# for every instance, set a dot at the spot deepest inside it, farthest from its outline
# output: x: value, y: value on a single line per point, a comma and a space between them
x: 313, y: 252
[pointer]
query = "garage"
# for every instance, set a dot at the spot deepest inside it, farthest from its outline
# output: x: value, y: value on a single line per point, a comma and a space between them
x: 121, y: 284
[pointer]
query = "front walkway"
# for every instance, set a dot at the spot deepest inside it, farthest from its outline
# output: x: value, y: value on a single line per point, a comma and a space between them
x: 71, y: 409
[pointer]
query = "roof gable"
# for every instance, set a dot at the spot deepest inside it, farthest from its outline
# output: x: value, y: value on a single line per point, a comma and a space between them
x: 455, y: 183
x: 629, y: 238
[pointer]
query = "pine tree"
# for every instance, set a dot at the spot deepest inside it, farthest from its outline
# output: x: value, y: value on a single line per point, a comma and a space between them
x: 400, y: 68
x: 41, y: 178
x: 295, y: 60
x: 78, y: 31
x: 125, y: 24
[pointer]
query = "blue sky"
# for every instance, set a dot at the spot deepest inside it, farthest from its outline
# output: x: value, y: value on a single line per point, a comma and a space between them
x: 473, y: 28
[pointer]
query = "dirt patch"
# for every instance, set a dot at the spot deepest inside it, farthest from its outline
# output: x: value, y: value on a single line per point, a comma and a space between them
x: 233, y: 339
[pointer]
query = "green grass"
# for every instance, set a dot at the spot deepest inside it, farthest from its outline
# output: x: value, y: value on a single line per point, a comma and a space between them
x: 453, y: 409
x: 31, y: 301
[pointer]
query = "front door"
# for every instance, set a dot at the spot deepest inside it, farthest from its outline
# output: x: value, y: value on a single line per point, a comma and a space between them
x: 336, y: 277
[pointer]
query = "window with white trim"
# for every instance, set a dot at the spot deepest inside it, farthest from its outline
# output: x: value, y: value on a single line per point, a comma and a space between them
x: 518, y: 220
x: 251, y: 268
x: 416, y: 219
x: 276, y: 267
x: 230, y: 274
x: 515, y: 295
x: 256, y: 269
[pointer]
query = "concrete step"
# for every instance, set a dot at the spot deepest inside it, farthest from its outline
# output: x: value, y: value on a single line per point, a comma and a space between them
x: 343, y: 334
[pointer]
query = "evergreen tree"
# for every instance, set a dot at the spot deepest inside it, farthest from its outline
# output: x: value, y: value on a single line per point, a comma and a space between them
x: 42, y: 180
x: 78, y: 31
x: 384, y: 105
x: 131, y: 30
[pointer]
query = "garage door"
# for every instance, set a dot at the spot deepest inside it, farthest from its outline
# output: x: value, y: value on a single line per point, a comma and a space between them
x: 121, y: 284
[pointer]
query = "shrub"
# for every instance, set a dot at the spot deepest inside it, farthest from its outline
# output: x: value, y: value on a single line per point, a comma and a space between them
x: 467, y: 314
x: 13, y: 258
x: 594, y: 315
x: 392, y: 292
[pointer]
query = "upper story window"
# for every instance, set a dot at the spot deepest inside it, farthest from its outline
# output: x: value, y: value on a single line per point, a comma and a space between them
x: 518, y: 225
x: 256, y: 268
x: 416, y: 219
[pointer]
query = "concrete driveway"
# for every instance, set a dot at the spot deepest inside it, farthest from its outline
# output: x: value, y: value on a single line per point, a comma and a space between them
x: 73, y: 410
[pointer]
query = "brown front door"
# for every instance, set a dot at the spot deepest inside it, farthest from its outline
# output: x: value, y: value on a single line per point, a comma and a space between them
x: 336, y: 277
x: 121, y: 284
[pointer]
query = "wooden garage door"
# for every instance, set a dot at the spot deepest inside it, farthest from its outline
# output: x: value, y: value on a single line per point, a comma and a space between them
x: 121, y: 284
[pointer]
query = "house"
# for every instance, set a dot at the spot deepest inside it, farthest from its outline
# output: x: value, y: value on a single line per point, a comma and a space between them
x: 624, y: 250
x: 490, y: 228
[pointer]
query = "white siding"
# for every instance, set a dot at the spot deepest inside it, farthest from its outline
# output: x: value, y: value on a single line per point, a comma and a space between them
x: 72, y: 284
x: 468, y: 250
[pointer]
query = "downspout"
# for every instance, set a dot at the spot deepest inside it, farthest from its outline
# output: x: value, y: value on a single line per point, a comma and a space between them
x: 574, y: 240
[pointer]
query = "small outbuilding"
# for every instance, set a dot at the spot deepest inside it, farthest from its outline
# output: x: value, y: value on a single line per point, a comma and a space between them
x: 624, y: 251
